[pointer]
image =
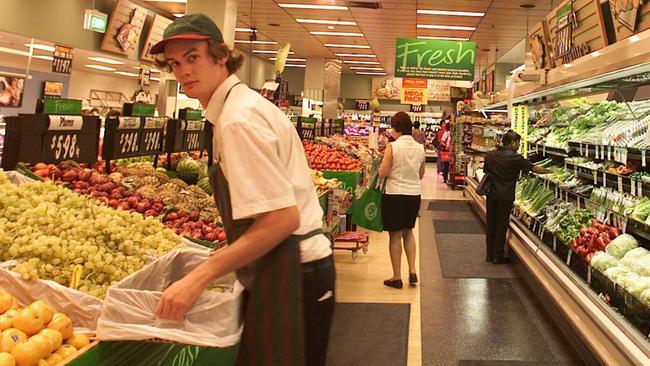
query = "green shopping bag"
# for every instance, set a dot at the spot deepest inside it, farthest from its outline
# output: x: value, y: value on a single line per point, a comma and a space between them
x: 367, y: 209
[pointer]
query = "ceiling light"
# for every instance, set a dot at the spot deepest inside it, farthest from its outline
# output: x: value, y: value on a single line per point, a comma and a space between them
x: 361, y: 62
x: 568, y: 65
x: 330, y: 27
x: 126, y: 73
x: 48, y: 58
x: 310, y: 6
x: 42, y: 47
x: 290, y: 59
x: 255, y: 42
x: 178, y: 15
x: 372, y: 73
x: 106, y: 60
x: 14, y: 51
x: 295, y: 65
x: 270, y: 51
x: 243, y: 30
x: 366, y: 68
x: 447, y: 27
x: 100, y: 67
x: 154, y: 78
x: 595, y: 54
x: 169, y: 1
x: 634, y: 38
x: 321, y: 21
x: 345, y: 45
x: 453, y: 13
x: 348, y: 34
x: 355, y: 55
x: 445, y: 38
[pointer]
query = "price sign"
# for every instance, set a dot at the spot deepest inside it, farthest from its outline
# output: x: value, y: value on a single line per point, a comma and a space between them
x: 554, y: 243
x: 620, y: 183
x: 186, y: 135
x: 639, y: 189
x: 643, y: 157
x: 587, y: 150
x: 609, y: 153
x: 127, y: 137
x: 602, y: 153
x: 34, y: 138
x: 152, y: 136
x: 596, y: 150
x: 605, y: 179
x: 633, y: 186
x: 595, y: 173
x: 589, y: 275
x: 568, y: 257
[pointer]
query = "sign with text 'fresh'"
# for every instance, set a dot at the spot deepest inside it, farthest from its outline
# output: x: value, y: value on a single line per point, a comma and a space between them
x: 434, y: 59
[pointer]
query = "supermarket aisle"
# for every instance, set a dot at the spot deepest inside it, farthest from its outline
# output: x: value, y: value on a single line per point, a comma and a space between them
x: 434, y: 189
x: 473, y: 312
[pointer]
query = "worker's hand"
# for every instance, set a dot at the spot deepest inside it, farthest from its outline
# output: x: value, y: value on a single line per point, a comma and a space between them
x: 178, y: 298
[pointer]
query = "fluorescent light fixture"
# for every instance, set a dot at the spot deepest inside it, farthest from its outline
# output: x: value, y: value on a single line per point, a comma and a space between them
x: 125, y: 73
x: 14, y: 51
x: 345, y: 34
x: 371, y: 73
x: 595, y: 54
x: 295, y: 65
x: 310, y: 6
x: 634, y: 38
x: 270, y: 51
x: 355, y: 55
x: 452, y: 13
x: 361, y: 62
x: 42, y: 47
x: 290, y: 59
x: 568, y: 65
x: 178, y: 15
x: 152, y: 69
x: 100, y: 67
x: 106, y: 60
x: 48, y: 58
x: 446, y: 27
x: 366, y: 68
x: 336, y: 45
x: 169, y: 1
x: 243, y: 30
x: 255, y: 42
x: 445, y: 38
x: 154, y: 78
x: 322, y: 21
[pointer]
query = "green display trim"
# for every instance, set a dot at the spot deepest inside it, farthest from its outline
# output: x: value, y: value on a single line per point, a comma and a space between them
x: 136, y: 353
x: 62, y: 106
x: 194, y: 115
x: 307, y: 120
x: 143, y: 110
x: 564, y: 11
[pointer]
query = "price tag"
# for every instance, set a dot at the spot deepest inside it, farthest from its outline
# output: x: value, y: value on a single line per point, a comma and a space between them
x: 624, y: 224
x: 589, y: 275
x: 619, y: 180
x: 624, y: 155
x: 192, y: 140
x: 65, y: 123
x: 568, y: 257
x: 575, y: 170
x: 587, y: 150
x: 633, y: 186
x: 605, y: 179
x: 77, y: 274
x: 129, y: 123
x: 639, y: 189
x: 602, y: 153
x: 60, y: 146
x: 595, y: 173
x: 544, y: 149
x: 643, y: 157
x: 609, y: 152
x: 596, y: 150
x: 536, y: 148
x: 129, y: 142
x: 554, y: 243
x: 580, y: 149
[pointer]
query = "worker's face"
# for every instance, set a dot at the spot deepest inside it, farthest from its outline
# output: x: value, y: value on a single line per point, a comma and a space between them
x: 515, y: 145
x: 195, y: 69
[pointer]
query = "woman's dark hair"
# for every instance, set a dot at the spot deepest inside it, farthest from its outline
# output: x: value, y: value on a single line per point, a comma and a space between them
x: 510, y: 137
x: 113, y: 113
x: 416, y: 125
x: 217, y: 50
x: 401, y: 122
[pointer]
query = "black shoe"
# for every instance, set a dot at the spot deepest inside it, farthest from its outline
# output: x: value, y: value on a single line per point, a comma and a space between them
x: 413, y: 278
x: 394, y: 283
x: 501, y: 260
x: 488, y: 258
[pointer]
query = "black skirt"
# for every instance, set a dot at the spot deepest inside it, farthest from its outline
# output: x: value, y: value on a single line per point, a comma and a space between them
x: 399, y: 212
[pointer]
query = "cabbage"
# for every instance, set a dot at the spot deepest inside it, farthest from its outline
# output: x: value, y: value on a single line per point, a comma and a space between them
x: 613, y: 273
x: 621, y: 245
x: 645, y: 297
x: 638, y: 286
x: 634, y: 255
x: 641, y: 265
x: 602, y: 261
x: 628, y: 280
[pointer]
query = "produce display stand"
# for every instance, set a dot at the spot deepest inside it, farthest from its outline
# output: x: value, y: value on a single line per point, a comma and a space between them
x: 187, y: 133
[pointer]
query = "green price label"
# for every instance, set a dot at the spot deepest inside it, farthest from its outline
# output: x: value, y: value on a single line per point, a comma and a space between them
x: 146, y: 110
x: 62, y: 106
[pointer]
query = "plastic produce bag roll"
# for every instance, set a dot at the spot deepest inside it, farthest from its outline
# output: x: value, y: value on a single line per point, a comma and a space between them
x: 213, y: 321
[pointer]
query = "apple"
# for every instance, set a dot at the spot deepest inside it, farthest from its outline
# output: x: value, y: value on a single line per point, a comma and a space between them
x: 132, y: 201
x: 221, y: 236
x: 157, y: 206
x: 114, y: 203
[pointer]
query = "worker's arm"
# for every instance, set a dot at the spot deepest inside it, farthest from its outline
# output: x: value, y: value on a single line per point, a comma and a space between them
x: 269, y: 230
x: 386, y: 162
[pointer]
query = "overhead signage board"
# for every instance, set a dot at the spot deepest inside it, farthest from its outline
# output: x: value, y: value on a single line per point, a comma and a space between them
x: 95, y: 21
x: 391, y: 88
x: 434, y: 59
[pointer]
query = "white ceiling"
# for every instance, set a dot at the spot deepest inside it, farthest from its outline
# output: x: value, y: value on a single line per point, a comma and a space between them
x: 502, y: 27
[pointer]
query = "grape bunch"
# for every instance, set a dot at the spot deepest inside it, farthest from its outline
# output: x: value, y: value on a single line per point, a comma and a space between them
x: 52, y: 232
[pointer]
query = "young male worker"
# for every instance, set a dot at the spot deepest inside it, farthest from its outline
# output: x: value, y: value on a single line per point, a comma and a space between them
x: 267, y: 200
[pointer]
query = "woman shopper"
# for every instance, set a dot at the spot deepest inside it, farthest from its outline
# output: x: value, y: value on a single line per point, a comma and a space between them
x: 419, y: 135
x: 403, y: 168
x: 267, y: 200
x: 504, y: 166
x: 443, y: 150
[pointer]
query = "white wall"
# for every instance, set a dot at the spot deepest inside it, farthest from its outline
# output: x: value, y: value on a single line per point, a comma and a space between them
x: 255, y: 71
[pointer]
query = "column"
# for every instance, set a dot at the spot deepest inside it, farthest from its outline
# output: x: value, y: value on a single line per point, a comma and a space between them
x: 323, y: 78
x: 222, y: 12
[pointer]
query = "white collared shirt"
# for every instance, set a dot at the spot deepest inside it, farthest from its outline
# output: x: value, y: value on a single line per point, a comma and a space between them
x: 404, y: 177
x: 264, y: 162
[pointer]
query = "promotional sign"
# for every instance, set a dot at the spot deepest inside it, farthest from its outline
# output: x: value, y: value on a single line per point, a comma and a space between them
x: 62, y: 106
x: 626, y: 12
x: 434, y: 59
x: 439, y: 90
x: 144, y: 78
x: 414, y: 96
x: 281, y: 58
x: 62, y: 62
x: 124, y: 28
x: 414, y: 83
x: 390, y: 88
x: 362, y: 105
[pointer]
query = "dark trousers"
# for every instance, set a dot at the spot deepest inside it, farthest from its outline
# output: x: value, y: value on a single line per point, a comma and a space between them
x: 498, y: 217
x: 318, y: 306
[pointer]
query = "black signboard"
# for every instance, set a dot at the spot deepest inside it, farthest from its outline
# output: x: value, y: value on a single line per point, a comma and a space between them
x: 127, y: 137
x: 184, y: 135
x: 34, y: 138
x: 306, y: 128
x: 362, y: 105
x: 62, y: 60
x: 417, y: 108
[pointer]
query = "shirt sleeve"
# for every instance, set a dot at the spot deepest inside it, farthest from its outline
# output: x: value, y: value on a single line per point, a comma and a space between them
x: 523, y: 164
x: 257, y: 178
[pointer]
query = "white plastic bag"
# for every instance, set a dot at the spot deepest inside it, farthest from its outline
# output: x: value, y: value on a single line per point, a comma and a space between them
x: 82, y: 308
x: 128, y: 312
x: 17, y: 178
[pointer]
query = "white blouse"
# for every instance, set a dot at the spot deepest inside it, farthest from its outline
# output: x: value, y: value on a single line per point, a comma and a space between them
x: 404, y: 177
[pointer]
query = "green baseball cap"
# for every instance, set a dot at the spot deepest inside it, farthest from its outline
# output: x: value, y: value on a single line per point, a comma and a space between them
x: 194, y: 26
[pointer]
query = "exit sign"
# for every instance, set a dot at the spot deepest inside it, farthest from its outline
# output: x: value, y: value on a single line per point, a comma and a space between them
x: 95, y: 21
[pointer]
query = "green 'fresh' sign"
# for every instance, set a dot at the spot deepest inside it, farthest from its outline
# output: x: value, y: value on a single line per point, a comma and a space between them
x: 62, y: 106
x: 433, y: 59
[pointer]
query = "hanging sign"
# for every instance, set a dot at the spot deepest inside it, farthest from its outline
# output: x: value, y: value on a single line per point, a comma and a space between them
x: 434, y: 59
x: 95, y: 21
x: 281, y: 58
x: 414, y: 96
x: 144, y: 78
x: 417, y: 108
x: 62, y: 106
x: 62, y: 61
x: 626, y: 12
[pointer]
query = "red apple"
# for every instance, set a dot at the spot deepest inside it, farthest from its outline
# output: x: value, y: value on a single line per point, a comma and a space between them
x: 114, y: 203
x: 151, y: 213
x: 132, y: 201
x: 124, y: 206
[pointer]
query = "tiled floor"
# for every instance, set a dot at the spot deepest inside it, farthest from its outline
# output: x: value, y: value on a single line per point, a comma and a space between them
x: 471, y: 319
